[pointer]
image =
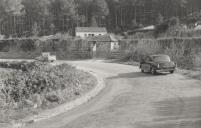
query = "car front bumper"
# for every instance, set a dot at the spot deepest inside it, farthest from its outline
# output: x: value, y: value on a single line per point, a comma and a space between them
x: 162, y: 70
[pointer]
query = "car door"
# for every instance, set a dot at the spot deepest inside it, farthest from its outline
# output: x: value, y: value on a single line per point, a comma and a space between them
x: 146, y: 66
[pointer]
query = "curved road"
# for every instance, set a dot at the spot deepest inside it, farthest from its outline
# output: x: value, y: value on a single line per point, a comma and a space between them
x: 134, y: 100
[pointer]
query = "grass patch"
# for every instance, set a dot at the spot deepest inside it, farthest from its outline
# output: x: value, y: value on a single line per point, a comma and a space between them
x: 28, y: 87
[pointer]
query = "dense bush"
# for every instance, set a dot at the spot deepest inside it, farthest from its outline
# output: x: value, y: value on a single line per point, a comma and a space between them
x: 49, y: 83
x: 63, y: 48
x: 186, y: 52
x: 28, y: 45
x: 4, y: 46
x: 161, y: 28
x: 22, y: 65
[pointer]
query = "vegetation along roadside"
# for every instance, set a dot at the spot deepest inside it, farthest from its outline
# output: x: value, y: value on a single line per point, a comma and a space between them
x: 26, y: 88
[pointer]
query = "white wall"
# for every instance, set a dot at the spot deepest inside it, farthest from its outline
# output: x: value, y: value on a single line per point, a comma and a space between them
x: 87, y: 34
x: 114, y: 46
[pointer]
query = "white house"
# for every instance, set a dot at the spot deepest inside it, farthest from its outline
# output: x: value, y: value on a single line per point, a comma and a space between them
x: 85, y: 32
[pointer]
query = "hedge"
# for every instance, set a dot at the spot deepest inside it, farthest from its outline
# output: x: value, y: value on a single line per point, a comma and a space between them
x: 31, y: 48
x: 185, y: 51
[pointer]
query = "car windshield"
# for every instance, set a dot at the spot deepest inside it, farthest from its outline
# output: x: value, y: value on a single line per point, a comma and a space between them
x: 161, y: 58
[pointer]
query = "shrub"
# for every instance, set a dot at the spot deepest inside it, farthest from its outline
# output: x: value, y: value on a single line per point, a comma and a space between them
x: 28, y: 46
x: 22, y: 65
x: 186, y: 52
x: 43, y: 79
x: 64, y: 48
x: 161, y: 28
x: 174, y: 21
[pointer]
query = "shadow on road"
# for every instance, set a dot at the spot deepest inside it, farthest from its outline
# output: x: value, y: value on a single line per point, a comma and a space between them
x: 183, y: 107
x: 176, y: 113
x: 134, y: 75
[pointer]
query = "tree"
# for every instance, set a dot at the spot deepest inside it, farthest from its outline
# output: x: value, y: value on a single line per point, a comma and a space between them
x: 91, y: 9
x: 18, y: 16
x: 35, y: 29
x: 36, y: 11
x: 63, y: 13
x: 161, y: 28
x: 94, y: 23
x: 134, y: 23
x: 2, y: 12
x: 100, y: 8
x: 159, y: 19
x: 52, y: 28
x: 174, y: 21
x: 9, y: 9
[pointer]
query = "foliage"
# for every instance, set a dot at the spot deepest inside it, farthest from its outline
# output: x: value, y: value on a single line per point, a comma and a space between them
x: 35, y: 29
x: 184, y: 51
x: 160, y: 19
x: 17, y: 17
x: 52, y: 28
x: 161, y: 28
x: 30, y: 83
x: 94, y: 23
x: 22, y: 65
x: 134, y: 23
x: 174, y: 21
x: 61, y: 45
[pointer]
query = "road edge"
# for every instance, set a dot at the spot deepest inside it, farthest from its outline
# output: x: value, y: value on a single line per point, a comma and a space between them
x: 66, y: 106
x: 75, y: 103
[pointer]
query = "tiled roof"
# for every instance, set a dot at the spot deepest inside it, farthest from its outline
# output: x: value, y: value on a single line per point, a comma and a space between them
x: 90, y: 29
x: 103, y: 38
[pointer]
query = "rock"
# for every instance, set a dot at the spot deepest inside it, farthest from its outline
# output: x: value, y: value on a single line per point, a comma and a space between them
x: 52, y: 98
x: 77, y: 93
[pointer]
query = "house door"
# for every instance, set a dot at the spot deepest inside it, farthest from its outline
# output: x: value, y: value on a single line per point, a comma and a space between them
x: 102, y: 49
x: 94, y: 49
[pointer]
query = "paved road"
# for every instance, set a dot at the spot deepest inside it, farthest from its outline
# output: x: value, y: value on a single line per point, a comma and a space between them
x: 134, y: 100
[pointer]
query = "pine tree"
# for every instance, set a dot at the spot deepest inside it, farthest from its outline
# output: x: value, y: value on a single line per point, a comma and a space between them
x: 159, y: 19
x: 94, y: 22
x: 52, y: 28
x: 35, y: 29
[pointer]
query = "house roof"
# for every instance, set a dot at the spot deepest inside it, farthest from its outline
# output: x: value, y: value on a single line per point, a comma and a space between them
x: 148, y: 28
x: 103, y: 38
x: 144, y: 29
x: 90, y: 29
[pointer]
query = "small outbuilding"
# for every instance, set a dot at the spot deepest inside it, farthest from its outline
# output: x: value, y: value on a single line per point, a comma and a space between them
x: 103, y: 45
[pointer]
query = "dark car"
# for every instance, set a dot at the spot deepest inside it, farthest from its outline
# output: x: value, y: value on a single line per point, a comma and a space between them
x: 157, y: 64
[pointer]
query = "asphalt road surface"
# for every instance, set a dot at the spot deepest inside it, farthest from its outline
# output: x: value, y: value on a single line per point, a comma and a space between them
x: 132, y: 99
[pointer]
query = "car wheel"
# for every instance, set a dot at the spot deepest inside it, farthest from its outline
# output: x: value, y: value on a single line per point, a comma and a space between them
x: 172, y: 71
x: 153, y: 71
